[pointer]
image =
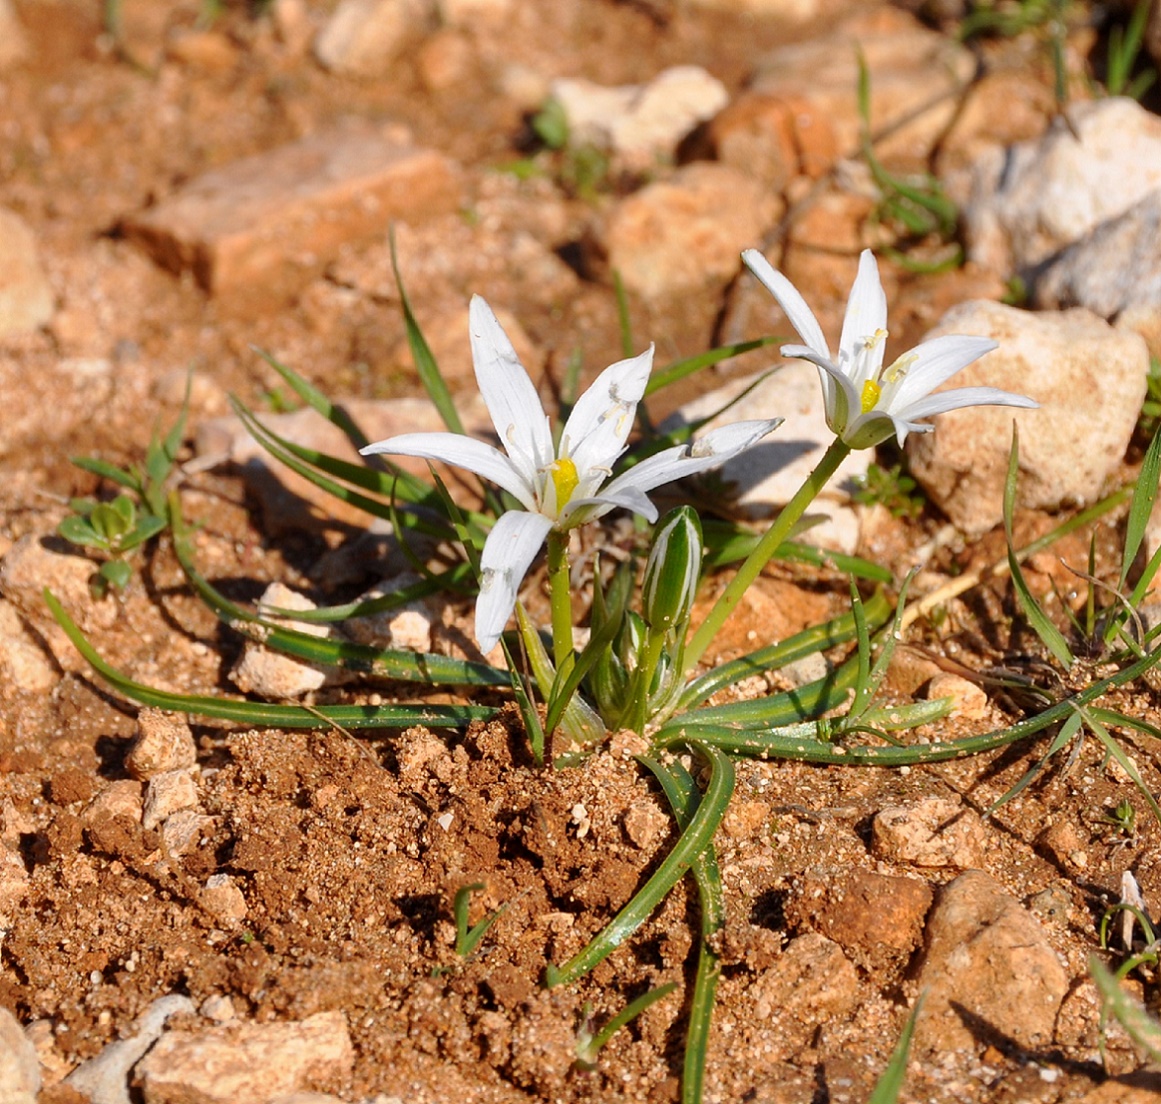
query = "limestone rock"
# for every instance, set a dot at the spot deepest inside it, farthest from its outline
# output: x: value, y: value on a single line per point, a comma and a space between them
x: 407, y: 627
x: 246, y: 1063
x: 274, y: 675
x: 683, y: 235
x: 639, y: 124
x: 168, y: 792
x: 19, y: 1068
x: 164, y: 743
x: 933, y: 832
x: 362, y: 37
x: 26, y: 298
x: 263, y: 225
x: 766, y: 476
x: 222, y: 898
x: 24, y: 665
x: 1090, y: 382
x: 988, y: 967
x: 812, y: 982
x: 1030, y: 201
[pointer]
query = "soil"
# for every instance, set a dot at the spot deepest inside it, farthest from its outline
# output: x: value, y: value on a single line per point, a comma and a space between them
x: 348, y: 851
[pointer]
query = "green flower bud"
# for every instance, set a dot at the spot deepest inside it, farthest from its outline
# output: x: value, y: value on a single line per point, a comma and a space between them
x: 673, y: 570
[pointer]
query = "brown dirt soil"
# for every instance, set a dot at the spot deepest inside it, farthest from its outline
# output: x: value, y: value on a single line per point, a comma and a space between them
x: 348, y: 852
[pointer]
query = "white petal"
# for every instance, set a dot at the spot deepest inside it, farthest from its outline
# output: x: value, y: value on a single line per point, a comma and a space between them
x: 508, y: 554
x: 936, y: 362
x: 793, y: 305
x: 463, y: 452
x: 870, y: 429
x: 843, y: 401
x: 599, y: 425
x: 866, y: 312
x: 581, y: 510
x: 509, y: 394
x: 961, y: 397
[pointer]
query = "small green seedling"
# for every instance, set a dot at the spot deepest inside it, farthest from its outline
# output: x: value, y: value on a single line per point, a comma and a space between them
x: 469, y: 938
x: 114, y: 529
x: 891, y: 488
x: 589, y: 1044
x: 1122, y: 818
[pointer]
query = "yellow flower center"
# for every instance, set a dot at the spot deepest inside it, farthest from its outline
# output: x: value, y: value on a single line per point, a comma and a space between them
x: 871, y: 393
x: 564, y: 479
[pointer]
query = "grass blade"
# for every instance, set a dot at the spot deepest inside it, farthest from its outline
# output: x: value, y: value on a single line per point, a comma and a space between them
x: 680, y: 369
x: 890, y: 1083
x: 1144, y: 495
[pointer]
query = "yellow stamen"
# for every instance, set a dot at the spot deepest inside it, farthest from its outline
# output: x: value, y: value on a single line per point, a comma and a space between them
x: 564, y: 479
x: 899, y: 369
x: 871, y: 393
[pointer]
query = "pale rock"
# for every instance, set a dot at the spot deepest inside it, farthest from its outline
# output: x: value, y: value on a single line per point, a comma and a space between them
x: 292, y: 24
x: 444, y: 60
x: 683, y: 235
x: 246, y: 1063
x: 788, y: 11
x: 767, y: 475
x: 23, y: 663
x: 164, y: 743
x: 54, y: 1065
x: 219, y: 1008
x: 407, y: 627
x: 121, y: 798
x: 473, y: 13
x: 222, y: 899
x: 182, y: 831
x: 987, y: 956
x: 363, y: 37
x: 264, y: 225
x: 105, y: 1078
x: 271, y: 674
x: 640, y: 124
x: 1114, y: 268
x: 932, y: 832
x: 967, y: 699
x: 13, y: 41
x: 1090, y: 382
x: 14, y: 882
x: 26, y: 298
x: 168, y: 792
x: 917, y: 79
x: 19, y: 1068
x: 205, y: 50
x: 811, y: 982
x: 1032, y: 200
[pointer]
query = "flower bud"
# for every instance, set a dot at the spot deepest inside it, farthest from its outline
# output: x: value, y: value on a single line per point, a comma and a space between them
x: 673, y: 570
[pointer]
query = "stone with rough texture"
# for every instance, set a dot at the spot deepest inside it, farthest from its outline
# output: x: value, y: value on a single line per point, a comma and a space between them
x: 247, y: 1063
x: 362, y: 37
x: 407, y: 627
x: 1090, y: 382
x: 1030, y: 201
x: 640, y: 123
x: 26, y: 298
x: 933, y: 832
x: 767, y: 475
x: 271, y: 674
x: 105, y: 1078
x: 263, y: 225
x: 164, y: 743
x: 917, y: 80
x: 168, y: 792
x: 19, y: 1069
x: 1115, y: 267
x: 222, y: 899
x: 811, y: 982
x: 24, y: 665
x: 988, y: 969
x: 13, y: 886
x: 683, y: 235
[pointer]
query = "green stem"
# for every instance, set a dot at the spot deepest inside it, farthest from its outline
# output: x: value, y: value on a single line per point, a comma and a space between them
x: 643, y: 680
x: 561, y: 597
x: 764, y: 550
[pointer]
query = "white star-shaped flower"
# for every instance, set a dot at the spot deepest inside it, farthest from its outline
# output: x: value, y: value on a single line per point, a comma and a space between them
x: 559, y: 487
x: 865, y: 402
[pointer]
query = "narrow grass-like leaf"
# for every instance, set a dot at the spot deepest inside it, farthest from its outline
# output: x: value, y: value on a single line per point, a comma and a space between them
x: 587, y: 1053
x: 684, y: 797
x: 264, y: 714
x: 728, y: 543
x: 1140, y: 1026
x: 468, y: 938
x: 680, y: 369
x: 1123, y: 761
x: 1051, y: 636
x: 528, y: 714
x: 107, y: 471
x: 694, y: 840
x: 1144, y: 495
x: 425, y: 363
x: 890, y: 1083
x: 1063, y: 738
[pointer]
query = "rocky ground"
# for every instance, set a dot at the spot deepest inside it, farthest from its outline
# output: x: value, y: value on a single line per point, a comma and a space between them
x: 193, y: 912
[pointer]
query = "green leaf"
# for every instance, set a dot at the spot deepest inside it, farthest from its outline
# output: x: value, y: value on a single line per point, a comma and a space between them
x: 890, y: 1083
x: 78, y: 530
x: 108, y: 471
x: 468, y: 938
x: 264, y: 714
x: 1140, y: 1026
x: 425, y: 362
x: 116, y: 572
x: 680, y: 369
x: 1144, y: 495
x: 1051, y: 636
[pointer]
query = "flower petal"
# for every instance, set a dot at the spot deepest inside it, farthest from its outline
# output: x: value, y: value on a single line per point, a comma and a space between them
x: 842, y: 399
x: 936, y: 361
x: 508, y: 553
x: 599, y: 425
x: 793, y: 305
x: 866, y: 317
x: 581, y: 510
x: 508, y: 392
x: 959, y: 398
x: 463, y: 452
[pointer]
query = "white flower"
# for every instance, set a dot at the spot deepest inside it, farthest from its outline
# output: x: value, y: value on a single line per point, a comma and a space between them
x: 559, y: 487
x: 865, y: 402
